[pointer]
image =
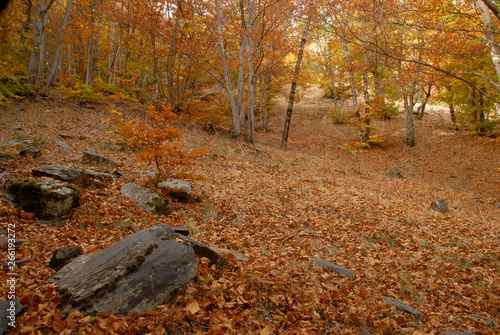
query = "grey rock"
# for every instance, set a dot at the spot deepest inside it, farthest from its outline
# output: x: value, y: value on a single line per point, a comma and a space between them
x: 8, y: 311
x: 62, y: 255
x: 202, y: 250
x: 17, y: 243
x: 333, y: 267
x: 71, y: 175
x: 16, y: 127
x: 2, y: 231
x: 481, y: 317
x: 235, y: 151
x: 183, y: 230
x: 63, y: 145
x: 405, y: 307
x: 238, y: 255
x: 92, y: 157
x: 179, y: 189
x: 47, y: 199
x: 30, y: 151
x: 454, y: 332
x: 133, y: 275
x: 15, y: 142
x: 152, y: 174
x: 147, y: 199
x: 498, y: 205
x: 441, y: 206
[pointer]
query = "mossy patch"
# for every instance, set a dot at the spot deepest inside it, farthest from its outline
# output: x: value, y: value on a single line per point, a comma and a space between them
x: 161, y: 206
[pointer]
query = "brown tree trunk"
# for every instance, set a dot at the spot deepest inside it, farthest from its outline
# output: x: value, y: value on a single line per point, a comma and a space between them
x: 289, y: 110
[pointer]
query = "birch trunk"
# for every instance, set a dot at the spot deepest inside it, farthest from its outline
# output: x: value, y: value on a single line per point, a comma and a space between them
x: 227, y: 78
x: 490, y: 36
x: 55, y: 59
x: 294, y: 87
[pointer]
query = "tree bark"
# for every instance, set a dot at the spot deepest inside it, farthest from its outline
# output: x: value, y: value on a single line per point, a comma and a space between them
x: 294, y: 87
x: 227, y: 76
x: 251, y: 75
x: 490, y: 36
x: 55, y: 59
x: 38, y: 28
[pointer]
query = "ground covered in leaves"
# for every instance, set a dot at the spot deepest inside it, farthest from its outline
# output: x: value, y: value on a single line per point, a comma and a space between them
x: 363, y: 210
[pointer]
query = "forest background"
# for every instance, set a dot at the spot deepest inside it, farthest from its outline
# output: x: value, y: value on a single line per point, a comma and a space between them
x: 233, y: 68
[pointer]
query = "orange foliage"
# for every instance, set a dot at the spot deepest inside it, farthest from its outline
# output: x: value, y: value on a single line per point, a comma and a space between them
x: 157, y: 141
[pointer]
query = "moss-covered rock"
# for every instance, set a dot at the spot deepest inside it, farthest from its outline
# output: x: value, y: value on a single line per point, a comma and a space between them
x: 47, y: 199
x: 147, y: 199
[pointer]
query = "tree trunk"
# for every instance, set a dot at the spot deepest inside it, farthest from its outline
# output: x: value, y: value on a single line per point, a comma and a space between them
x: 90, y: 50
x: 27, y: 22
x: 55, y: 59
x: 267, y: 84
x: 425, y: 98
x: 241, y: 83
x: 294, y: 86
x: 38, y: 28
x: 490, y: 36
x: 42, y: 54
x: 251, y: 75
x: 227, y: 76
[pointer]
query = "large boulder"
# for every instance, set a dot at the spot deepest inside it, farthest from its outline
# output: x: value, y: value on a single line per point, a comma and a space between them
x: 47, y: 199
x: 133, y: 275
x: 147, y: 199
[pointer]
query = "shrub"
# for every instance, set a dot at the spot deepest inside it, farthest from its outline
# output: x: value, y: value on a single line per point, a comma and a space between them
x: 339, y: 116
x: 157, y: 142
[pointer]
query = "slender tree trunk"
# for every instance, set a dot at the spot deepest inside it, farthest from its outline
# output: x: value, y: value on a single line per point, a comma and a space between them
x: 425, y: 98
x: 261, y: 100
x: 90, y: 50
x: 348, y: 64
x: 42, y: 54
x: 241, y: 82
x: 59, y: 46
x: 251, y: 74
x: 227, y: 76
x: 267, y: 84
x: 409, y: 103
x: 294, y: 86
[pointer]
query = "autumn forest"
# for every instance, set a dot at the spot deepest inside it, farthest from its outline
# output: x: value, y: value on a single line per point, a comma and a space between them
x: 317, y: 137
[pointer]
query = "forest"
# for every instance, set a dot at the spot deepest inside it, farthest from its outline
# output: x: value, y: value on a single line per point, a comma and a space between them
x: 308, y: 130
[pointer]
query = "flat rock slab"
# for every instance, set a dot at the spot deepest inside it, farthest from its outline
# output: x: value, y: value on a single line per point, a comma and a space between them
x: 333, y: 267
x: 405, y: 307
x: 70, y: 175
x: 92, y: 157
x: 133, y: 275
x: 237, y: 255
x: 179, y: 189
x: 47, y: 199
x: 441, y: 206
x: 147, y: 199
x: 15, y: 142
x: 8, y: 311
x: 202, y: 250
x: 454, y: 332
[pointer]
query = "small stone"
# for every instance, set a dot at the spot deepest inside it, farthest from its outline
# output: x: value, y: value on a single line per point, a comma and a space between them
x: 441, y: 206
x: 92, y: 157
x: 152, y: 174
x: 17, y: 243
x: 64, y: 136
x: 2, y: 231
x: 235, y: 151
x: 16, y: 127
x: 62, y: 255
x: 498, y: 205
x: 454, y: 332
x: 238, y: 255
x: 333, y: 267
x: 63, y: 145
x: 405, y: 307
x: 202, y: 250
x: 30, y: 151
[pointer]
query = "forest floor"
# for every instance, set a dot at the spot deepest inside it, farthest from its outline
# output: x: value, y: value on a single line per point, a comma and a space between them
x: 368, y: 211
